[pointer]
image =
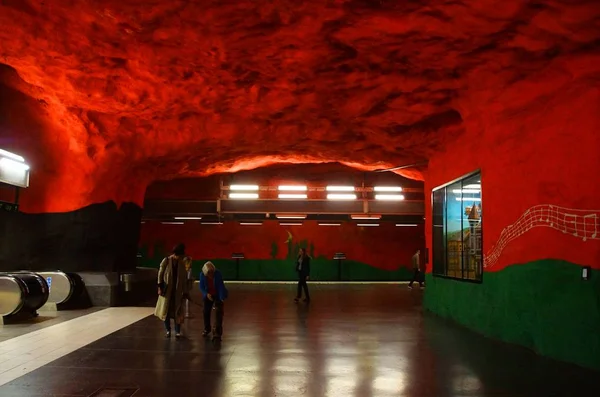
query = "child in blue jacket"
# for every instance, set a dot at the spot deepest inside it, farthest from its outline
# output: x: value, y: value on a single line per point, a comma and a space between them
x: 213, y: 294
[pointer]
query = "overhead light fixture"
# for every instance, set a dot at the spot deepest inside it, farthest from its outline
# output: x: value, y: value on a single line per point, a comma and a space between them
x: 330, y: 224
x: 473, y: 186
x: 365, y: 217
x: 290, y: 216
x: 172, y: 223
x: 243, y: 187
x: 292, y: 196
x: 251, y: 223
x: 5, y: 153
x: 292, y: 188
x: 468, y: 199
x: 340, y: 188
x: 211, y: 223
x: 290, y: 223
x: 406, y: 224
x: 388, y: 189
x: 11, y: 164
x: 187, y: 218
x: 341, y: 196
x: 367, y: 224
x: 243, y: 196
x: 389, y: 197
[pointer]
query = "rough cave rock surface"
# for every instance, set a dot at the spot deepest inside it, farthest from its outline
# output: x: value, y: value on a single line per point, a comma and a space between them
x: 104, y: 97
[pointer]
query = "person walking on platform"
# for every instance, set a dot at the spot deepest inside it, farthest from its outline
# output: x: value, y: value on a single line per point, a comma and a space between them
x: 417, y: 274
x: 172, y: 290
x: 303, y: 270
x: 214, y: 294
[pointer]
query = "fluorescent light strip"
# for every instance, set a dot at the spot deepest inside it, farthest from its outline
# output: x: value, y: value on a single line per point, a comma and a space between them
x: 292, y: 188
x: 330, y: 224
x: 252, y: 196
x: 290, y: 223
x: 365, y: 217
x: 172, y: 223
x: 290, y: 216
x: 340, y: 188
x: 389, y: 197
x: 367, y: 224
x: 292, y: 196
x: 388, y: 189
x: 473, y: 186
x: 243, y: 187
x: 211, y: 223
x: 338, y: 196
x: 187, y: 218
x: 406, y: 224
x: 12, y: 164
x: 459, y: 191
x: 468, y: 199
x: 251, y: 223
x: 11, y: 155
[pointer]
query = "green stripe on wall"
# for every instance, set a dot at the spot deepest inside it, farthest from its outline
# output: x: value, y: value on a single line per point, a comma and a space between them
x: 542, y: 305
x: 283, y: 270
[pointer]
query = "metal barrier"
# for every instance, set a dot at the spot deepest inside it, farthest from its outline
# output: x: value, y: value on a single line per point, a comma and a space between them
x: 12, y: 293
x: 127, y: 280
x: 22, y: 292
x: 62, y: 286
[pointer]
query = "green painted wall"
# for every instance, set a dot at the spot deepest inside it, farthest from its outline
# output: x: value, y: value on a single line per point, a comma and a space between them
x: 322, y: 269
x: 542, y: 305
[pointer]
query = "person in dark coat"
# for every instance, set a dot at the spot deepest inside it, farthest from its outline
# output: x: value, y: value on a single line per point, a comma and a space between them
x: 303, y: 270
x: 417, y: 274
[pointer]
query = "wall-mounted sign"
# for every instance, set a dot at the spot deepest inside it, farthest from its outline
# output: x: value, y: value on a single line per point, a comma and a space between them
x: 9, y: 207
x: 586, y: 273
x: 13, y: 170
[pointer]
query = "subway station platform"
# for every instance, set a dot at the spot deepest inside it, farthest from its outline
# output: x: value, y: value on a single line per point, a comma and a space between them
x: 351, y: 340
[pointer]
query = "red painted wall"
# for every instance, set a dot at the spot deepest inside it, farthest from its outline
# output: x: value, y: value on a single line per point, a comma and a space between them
x: 384, y: 247
x: 545, y: 153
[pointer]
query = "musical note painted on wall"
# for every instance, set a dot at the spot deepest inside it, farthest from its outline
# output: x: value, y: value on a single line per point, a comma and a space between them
x: 583, y: 224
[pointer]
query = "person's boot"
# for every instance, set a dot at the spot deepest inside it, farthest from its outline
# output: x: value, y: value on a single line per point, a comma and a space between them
x: 216, y: 334
x: 168, y: 334
x: 205, y: 333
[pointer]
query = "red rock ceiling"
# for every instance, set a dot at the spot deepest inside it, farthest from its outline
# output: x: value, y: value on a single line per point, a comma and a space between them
x: 104, y: 97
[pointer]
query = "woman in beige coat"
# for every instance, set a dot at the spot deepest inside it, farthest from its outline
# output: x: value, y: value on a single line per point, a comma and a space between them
x: 172, y: 289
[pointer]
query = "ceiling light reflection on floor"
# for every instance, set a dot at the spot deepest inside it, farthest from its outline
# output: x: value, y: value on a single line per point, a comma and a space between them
x: 392, y: 381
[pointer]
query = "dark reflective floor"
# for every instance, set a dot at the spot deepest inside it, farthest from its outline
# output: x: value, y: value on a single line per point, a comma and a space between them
x: 353, y: 340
